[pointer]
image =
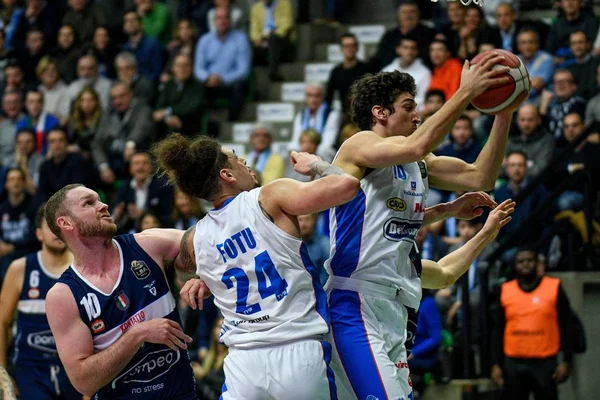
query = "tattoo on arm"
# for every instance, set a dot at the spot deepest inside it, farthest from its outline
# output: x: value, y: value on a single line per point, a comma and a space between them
x: 185, y: 263
x: 7, y: 391
x: 323, y: 168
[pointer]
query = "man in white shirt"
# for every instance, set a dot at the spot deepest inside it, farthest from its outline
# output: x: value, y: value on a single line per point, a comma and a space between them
x: 408, y: 62
x: 319, y: 116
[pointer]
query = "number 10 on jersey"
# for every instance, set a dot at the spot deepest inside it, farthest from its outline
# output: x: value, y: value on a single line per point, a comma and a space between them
x: 264, y: 269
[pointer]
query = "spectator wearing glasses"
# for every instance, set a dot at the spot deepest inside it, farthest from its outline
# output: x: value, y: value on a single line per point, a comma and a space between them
x: 555, y: 106
x: 127, y: 72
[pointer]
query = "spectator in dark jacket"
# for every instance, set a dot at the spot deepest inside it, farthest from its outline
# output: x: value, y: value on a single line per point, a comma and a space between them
x: 571, y: 19
x: 462, y: 144
x: 62, y: 168
x: 121, y: 132
x: 145, y: 192
x: 408, y: 24
x: 179, y: 105
x: 17, y: 230
x: 84, y: 17
x: 147, y: 49
x: 516, y: 169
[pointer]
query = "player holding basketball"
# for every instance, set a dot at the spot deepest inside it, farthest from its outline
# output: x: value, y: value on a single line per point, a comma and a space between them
x: 249, y: 251
x: 373, y: 280
x: 114, y: 320
x: 39, y: 373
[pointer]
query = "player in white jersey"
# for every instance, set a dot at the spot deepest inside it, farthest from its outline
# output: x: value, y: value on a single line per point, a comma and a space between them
x: 373, y: 280
x: 249, y: 253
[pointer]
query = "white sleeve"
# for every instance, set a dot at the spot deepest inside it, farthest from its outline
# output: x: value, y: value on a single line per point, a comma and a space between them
x: 331, y: 130
x: 294, y: 143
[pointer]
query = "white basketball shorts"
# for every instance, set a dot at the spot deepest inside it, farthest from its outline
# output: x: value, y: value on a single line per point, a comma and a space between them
x: 369, y: 358
x: 294, y: 371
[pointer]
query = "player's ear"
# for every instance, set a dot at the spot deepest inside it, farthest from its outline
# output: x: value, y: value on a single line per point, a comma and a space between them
x: 227, y: 175
x: 38, y: 234
x: 379, y: 112
x: 65, y: 223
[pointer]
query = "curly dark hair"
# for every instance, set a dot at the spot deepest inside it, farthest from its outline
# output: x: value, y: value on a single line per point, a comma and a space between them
x: 381, y: 89
x: 192, y: 165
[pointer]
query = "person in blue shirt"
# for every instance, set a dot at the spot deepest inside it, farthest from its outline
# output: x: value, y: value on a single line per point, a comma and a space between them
x: 223, y: 60
x: 428, y: 338
x: 147, y: 49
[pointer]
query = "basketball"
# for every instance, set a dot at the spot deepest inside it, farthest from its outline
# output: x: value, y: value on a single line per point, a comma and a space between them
x: 497, y: 98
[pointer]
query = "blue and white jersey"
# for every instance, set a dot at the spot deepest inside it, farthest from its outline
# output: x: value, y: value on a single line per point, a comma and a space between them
x: 373, y: 235
x: 140, y: 294
x: 34, y: 343
x: 262, y: 278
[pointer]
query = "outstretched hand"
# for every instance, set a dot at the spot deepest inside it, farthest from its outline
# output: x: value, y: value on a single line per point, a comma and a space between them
x: 193, y: 292
x: 469, y: 205
x: 498, y: 218
x: 301, y: 162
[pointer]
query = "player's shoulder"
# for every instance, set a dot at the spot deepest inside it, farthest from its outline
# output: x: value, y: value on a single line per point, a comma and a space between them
x: 18, y: 266
x: 356, y: 142
x: 60, y: 294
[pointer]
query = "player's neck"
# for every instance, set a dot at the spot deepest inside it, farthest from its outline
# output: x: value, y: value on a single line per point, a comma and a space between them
x: 95, y: 254
x: 223, y: 197
x: 56, y: 263
x: 381, y: 130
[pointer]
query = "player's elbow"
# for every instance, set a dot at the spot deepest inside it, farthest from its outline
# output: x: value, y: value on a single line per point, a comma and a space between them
x: 348, y: 187
x: 82, y: 383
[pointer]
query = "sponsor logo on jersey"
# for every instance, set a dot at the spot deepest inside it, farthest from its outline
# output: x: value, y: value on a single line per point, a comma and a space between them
x: 401, y: 364
x: 396, y: 204
x: 413, y: 185
x: 140, y: 269
x: 251, y: 321
x: 33, y: 293
x: 399, y: 172
x: 138, y: 317
x: 151, y: 288
x: 42, y: 341
x: 397, y: 229
x: 97, y: 326
x: 411, y: 193
x: 122, y: 301
x: 371, y: 397
x: 419, y: 208
x: 152, y: 366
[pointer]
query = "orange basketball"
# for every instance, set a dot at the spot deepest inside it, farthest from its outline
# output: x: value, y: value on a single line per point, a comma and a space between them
x: 497, y: 98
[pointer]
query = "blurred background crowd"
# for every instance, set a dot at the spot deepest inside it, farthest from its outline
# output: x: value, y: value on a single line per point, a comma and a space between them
x: 87, y: 87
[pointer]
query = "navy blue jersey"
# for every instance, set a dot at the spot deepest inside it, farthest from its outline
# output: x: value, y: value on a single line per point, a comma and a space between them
x: 140, y: 294
x: 34, y: 344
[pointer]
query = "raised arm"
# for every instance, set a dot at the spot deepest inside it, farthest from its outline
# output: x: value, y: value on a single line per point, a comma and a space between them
x: 451, y: 173
x: 437, y: 275
x: 467, y: 206
x: 160, y: 244
x: 368, y: 150
x: 335, y: 187
x: 87, y: 371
